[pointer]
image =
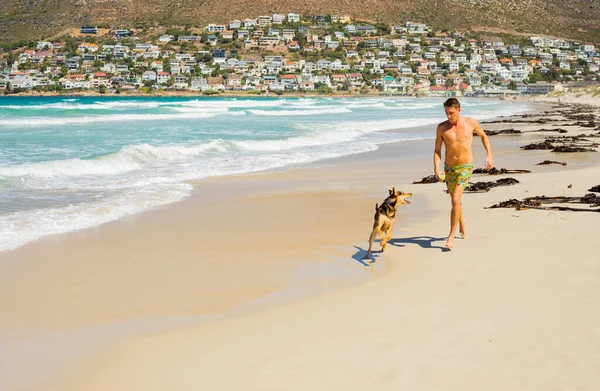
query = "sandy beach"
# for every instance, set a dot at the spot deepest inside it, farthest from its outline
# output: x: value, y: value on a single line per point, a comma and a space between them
x: 257, y: 282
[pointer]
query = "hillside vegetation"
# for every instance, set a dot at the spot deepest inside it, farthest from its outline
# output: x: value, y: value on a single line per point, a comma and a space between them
x: 25, y: 20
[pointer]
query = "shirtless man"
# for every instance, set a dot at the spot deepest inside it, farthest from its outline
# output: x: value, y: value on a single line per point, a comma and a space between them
x: 456, y: 134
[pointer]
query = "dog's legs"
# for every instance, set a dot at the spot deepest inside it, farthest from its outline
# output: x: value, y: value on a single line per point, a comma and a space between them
x: 389, y: 235
x: 371, y: 239
x: 382, y: 238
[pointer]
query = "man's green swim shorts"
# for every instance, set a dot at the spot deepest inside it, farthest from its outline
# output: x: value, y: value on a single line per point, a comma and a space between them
x: 458, y: 175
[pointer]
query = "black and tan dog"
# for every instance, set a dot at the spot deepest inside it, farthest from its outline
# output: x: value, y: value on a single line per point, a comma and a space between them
x: 385, y: 216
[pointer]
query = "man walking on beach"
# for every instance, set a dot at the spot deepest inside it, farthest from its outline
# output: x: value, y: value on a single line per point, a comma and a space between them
x: 456, y: 134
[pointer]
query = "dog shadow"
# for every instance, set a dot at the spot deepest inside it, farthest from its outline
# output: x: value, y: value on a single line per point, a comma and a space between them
x: 359, y: 256
x: 425, y: 242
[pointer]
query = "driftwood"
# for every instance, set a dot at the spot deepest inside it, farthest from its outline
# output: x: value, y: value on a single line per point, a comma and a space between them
x: 595, y: 189
x: 484, y: 187
x: 495, y: 171
x: 551, y: 162
x: 536, y: 203
x: 427, y: 179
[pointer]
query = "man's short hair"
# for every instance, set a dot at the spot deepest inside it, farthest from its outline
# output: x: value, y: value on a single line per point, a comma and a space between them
x: 452, y: 102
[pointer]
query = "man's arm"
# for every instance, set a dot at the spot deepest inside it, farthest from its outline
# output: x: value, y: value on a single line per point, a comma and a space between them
x: 489, y: 161
x: 437, y: 153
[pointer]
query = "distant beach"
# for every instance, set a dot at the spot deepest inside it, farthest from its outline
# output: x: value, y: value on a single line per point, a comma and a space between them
x: 229, y: 250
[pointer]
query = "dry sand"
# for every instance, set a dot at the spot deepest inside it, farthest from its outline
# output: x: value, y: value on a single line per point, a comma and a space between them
x: 256, y: 283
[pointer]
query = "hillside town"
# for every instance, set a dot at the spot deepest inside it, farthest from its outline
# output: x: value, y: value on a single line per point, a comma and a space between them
x: 294, y: 54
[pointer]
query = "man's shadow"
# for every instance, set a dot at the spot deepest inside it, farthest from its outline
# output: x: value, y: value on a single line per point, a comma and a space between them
x: 425, y: 242
x: 421, y: 241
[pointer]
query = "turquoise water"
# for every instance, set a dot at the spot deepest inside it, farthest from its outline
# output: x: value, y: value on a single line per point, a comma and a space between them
x: 73, y: 163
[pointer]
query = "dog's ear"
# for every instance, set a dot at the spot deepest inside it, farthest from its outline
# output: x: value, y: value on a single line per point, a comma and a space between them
x: 393, y: 191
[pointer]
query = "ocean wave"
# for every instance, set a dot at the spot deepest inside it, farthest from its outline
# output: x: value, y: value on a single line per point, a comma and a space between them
x: 415, y: 106
x: 68, y: 105
x: 278, y: 113
x: 127, y: 159
x: 19, y: 228
x: 369, y: 126
x: 228, y: 103
x: 45, y: 121
x: 210, y: 110
x: 366, y: 105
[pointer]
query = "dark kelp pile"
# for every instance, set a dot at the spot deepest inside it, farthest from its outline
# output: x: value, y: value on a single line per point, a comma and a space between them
x: 495, y: 171
x: 427, y: 179
x: 491, y: 171
x: 484, y: 187
x: 518, y: 121
x: 592, y: 200
x: 503, y: 131
x: 517, y: 131
x: 551, y: 162
x: 578, y: 143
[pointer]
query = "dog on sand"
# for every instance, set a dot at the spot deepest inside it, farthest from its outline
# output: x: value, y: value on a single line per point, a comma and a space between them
x: 385, y: 216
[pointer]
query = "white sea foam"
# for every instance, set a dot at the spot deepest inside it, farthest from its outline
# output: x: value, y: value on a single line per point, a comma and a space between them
x: 44, y: 121
x: 210, y: 110
x: 281, y: 113
x: 365, y: 105
x: 67, y: 105
x: 302, y: 102
x: 127, y: 159
x: 228, y: 103
x: 19, y: 228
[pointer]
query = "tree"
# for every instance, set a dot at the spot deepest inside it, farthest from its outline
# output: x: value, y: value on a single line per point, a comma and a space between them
x: 323, y: 88
x: 383, y: 28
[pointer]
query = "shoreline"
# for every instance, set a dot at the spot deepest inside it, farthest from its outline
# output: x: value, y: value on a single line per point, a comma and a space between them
x: 197, y: 94
x: 322, y: 186
x: 15, y: 241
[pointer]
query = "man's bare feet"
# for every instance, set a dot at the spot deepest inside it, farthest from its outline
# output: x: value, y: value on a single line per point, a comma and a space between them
x: 450, y: 242
x: 461, y: 229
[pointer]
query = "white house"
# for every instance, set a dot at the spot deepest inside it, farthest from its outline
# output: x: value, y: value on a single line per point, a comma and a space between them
x: 109, y: 68
x: 264, y: 20
x: 149, y: 76
x: 42, y: 45
x: 180, y: 82
x: 248, y: 23
x: 588, y: 48
x: 278, y: 18
x: 215, y: 28
x: 293, y: 18
x: 162, y: 77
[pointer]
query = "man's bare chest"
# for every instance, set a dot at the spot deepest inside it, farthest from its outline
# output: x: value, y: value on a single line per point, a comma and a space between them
x: 458, y: 134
